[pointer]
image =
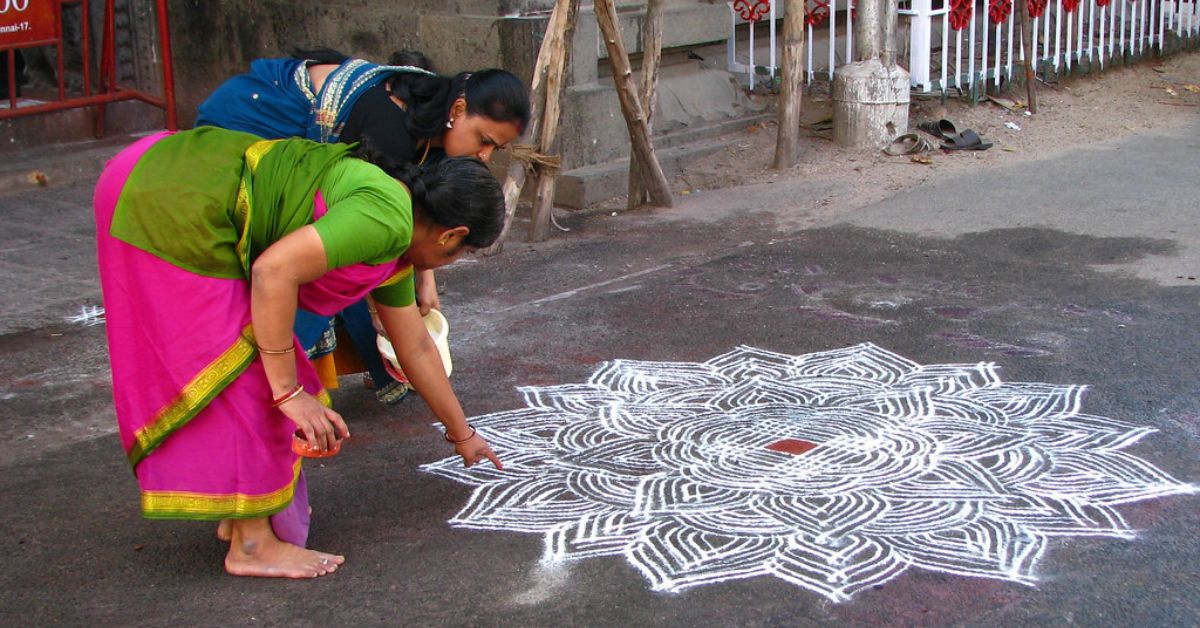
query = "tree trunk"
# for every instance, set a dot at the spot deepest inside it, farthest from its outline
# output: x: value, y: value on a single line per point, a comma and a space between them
x: 656, y: 182
x: 514, y: 182
x: 1030, y: 55
x: 560, y: 55
x: 651, y: 53
x: 791, y: 90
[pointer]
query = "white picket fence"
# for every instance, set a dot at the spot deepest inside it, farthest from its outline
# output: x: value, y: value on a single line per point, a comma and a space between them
x: 965, y: 43
x: 962, y: 44
x: 823, y: 22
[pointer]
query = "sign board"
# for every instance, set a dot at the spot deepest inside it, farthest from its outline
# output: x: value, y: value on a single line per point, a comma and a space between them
x: 27, y: 21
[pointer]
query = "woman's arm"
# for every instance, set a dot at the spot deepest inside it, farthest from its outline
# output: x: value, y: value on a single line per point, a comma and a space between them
x: 421, y: 363
x: 275, y: 281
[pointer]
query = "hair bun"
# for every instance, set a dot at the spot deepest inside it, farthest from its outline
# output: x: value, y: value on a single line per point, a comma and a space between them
x: 417, y: 187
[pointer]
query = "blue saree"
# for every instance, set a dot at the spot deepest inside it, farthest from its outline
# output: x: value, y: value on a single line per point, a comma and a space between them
x: 275, y: 99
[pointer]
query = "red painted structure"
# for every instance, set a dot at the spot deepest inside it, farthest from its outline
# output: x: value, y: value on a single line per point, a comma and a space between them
x: 34, y: 23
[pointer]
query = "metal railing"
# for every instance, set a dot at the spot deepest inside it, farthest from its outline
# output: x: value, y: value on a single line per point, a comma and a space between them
x: 980, y: 40
x: 821, y: 18
x: 963, y: 44
x: 42, y: 21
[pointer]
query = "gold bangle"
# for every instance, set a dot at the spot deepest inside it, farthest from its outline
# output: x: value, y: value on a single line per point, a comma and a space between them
x: 291, y: 349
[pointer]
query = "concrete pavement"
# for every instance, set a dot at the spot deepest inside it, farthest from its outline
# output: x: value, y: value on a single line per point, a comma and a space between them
x: 1072, y: 270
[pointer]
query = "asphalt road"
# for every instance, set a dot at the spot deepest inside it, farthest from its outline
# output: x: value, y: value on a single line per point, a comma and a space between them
x: 1073, y: 270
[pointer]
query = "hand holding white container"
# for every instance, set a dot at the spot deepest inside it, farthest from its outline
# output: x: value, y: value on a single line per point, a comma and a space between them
x: 439, y: 331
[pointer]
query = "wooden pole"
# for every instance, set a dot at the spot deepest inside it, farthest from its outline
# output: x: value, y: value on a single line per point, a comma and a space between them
x: 790, y: 91
x: 652, y: 30
x: 556, y: 72
x: 639, y: 135
x: 514, y: 182
x: 1030, y: 55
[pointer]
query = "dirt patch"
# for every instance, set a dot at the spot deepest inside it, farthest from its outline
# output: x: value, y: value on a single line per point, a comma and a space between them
x: 1074, y: 113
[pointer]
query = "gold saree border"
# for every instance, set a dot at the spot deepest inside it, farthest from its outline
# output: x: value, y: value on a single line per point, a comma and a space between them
x: 205, y: 506
x: 254, y: 154
x: 194, y: 396
x: 398, y: 276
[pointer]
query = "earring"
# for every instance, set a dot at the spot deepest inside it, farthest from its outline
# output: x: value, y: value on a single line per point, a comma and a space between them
x: 450, y: 124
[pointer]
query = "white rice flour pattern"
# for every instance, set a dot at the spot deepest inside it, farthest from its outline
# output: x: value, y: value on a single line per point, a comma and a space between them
x: 835, y: 471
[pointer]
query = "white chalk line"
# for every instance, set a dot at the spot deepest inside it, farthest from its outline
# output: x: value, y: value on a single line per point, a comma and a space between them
x: 570, y: 293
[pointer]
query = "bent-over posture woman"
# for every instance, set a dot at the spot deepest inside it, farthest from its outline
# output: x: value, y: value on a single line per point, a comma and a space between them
x: 208, y: 240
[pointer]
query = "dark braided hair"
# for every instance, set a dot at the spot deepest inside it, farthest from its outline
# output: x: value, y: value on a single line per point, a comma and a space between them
x: 494, y: 94
x: 423, y: 95
x: 450, y: 192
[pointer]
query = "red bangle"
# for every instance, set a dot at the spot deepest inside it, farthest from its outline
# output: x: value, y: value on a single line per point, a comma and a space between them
x: 459, y: 442
x: 287, y: 396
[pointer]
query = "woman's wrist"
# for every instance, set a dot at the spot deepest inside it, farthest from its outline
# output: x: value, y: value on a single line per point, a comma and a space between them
x: 460, y: 434
x: 283, y: 387
x: 291, y: 394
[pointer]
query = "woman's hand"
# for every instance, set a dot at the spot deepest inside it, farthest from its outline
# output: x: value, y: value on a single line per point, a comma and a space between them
x: 321, y: 426
x: 474, y: 450
x: 427, y: 294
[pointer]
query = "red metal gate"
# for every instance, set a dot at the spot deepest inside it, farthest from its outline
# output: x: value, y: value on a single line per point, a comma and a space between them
x: 34, y: 23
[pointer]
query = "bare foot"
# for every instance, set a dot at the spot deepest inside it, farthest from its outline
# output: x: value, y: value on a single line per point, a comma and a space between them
x: 225, y: 530
x: 255, y: 551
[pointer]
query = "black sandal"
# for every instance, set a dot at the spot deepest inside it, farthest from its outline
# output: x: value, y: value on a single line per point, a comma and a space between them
x: 967, y: 140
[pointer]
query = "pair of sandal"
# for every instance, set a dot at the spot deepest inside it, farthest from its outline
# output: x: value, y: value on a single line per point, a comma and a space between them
x: 951, y: 139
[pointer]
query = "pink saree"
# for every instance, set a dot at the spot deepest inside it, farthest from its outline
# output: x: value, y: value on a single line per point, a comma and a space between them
x: 191, y: 396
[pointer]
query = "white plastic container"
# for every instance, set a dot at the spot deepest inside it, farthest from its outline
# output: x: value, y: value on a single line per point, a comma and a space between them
x: 439, y: 330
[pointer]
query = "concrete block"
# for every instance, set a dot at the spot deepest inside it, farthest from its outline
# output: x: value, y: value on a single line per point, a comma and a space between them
x: 585, y: 49
x: 583, y: 186
x: 598, y: 182
x: 689, y: 97
x: 685, y: 25
x: 72, y: 125
x: 870, y: 104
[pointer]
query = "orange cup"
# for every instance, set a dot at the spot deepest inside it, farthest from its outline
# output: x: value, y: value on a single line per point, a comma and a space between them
x: 301, y: 447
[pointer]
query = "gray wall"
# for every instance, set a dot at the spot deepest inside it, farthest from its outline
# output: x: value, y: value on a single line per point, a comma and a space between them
x: 214, y: 39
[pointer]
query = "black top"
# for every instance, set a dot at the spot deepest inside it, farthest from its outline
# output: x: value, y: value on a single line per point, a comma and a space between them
x: 374, y: 116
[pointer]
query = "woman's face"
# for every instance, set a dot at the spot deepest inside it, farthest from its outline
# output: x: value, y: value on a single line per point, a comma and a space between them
x: 474, y: 135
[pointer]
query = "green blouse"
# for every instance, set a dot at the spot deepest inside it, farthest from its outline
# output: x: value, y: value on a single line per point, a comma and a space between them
x: 369, y: 219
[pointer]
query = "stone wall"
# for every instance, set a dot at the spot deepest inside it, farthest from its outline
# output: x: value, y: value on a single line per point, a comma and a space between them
x: 214, y: 39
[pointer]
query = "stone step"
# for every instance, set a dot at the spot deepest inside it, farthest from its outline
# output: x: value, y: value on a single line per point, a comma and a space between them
x: 581, y: 187
x: 71, y: 126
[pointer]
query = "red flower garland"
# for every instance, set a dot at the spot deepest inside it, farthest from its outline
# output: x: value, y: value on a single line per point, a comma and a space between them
x: 1038, y: 7
x: 960, y: 13
x: 1000, y: 10
x: 1070, y: 5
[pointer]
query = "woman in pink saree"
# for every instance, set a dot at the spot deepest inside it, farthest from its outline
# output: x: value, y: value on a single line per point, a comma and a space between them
x: 207, y: 241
